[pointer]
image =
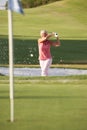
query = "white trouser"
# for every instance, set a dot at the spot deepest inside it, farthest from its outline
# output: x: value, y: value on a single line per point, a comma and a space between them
x: 45, y: 65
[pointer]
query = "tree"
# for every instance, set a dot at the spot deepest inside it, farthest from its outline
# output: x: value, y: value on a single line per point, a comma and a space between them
x: 34, y: 3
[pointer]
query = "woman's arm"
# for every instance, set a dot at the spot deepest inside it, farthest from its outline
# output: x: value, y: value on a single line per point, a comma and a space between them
x: 57, y: 43
x: 45, y: 38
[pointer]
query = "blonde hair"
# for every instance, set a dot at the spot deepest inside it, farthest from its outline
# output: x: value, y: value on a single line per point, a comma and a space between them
x: 43, y: 31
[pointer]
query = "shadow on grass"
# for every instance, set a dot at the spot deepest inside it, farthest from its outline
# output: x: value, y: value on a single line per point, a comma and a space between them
x: 1, y: 74
x: 44, y: 97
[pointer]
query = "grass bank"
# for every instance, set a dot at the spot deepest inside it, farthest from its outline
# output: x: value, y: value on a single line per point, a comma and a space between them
x: 66, y: 17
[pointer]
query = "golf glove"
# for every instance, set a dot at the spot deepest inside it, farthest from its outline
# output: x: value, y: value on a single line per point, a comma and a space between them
x: 56, y: 35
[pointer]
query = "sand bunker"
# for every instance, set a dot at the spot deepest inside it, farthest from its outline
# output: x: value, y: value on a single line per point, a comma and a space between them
x: 37, y: 71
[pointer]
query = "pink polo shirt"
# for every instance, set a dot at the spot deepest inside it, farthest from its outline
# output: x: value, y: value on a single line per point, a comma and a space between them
x: 44, y: 50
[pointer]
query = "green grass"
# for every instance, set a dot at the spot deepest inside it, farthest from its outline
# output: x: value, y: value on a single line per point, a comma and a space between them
x: 66, y: 17
x: 45, y: 103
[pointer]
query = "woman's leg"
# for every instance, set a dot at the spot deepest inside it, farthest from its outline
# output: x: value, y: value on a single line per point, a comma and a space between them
x: 45, y: 65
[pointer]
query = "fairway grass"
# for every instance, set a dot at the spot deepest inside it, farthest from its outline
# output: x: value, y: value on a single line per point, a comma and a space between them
x: 66, y: 17
x: 45, y: 103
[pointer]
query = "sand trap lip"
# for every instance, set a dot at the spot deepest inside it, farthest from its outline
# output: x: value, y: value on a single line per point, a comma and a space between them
x: 37, y: 71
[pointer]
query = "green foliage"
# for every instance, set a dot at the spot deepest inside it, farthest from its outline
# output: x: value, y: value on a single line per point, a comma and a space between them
x: 34, y: 3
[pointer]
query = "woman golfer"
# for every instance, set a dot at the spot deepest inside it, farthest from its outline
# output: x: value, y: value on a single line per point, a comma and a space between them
x: 44, y: 44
